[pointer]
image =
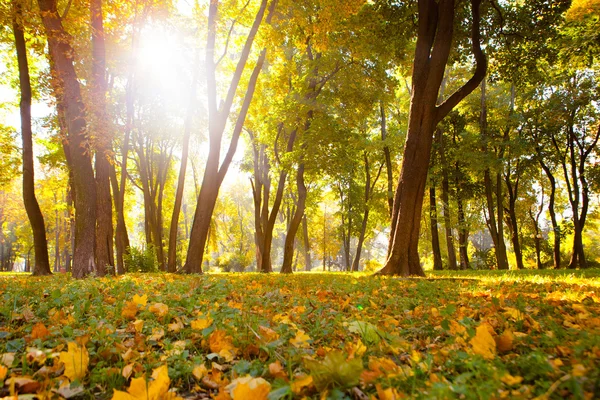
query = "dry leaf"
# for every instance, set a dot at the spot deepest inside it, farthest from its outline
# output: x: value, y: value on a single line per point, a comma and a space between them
x: 130, y: 310
x: 3, y: 372
x: 483, y: 343
x: 76, y: 361
x: 201, y: 323
x: 39, y: 331
x: 140, y: 300
x: 301, y: 340
x: 249, y: 388
x: 276, y: 370
x: 159, y: 309
x: 505, y: 341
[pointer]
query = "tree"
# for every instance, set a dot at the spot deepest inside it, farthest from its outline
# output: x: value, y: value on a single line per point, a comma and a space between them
x: 218, y: 115
x: 434, y: 41
x: 67, y: 91
x: 36, y: 219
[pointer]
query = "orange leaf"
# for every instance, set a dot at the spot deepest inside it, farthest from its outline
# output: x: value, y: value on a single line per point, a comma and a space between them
x: 268, y: 334
x: 249, y: 388
x: 39, y: 331
x: 505, y: 341
x: 159, y: 309
x: 276, y: 370
x: 130, y: 310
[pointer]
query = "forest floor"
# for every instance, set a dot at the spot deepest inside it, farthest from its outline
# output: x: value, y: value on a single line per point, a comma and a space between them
x: 468, y: 335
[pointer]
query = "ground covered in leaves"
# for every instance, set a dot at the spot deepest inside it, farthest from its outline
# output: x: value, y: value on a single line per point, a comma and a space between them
x: 456, y: 335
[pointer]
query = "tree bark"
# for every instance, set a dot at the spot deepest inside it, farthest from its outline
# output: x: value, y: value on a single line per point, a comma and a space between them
x: 172, y: 252
x: 446, y: 204
x: 552, y: 212
x: 512, y: 189
x: 102, y: 142
x: 307, y: 258
x: 495, y: 225
x: 435, y: 239
x: 388, y: 161
x: 36, y: 219
x: 68, y: 93
x: 215, y: 171
x: 434, y: 40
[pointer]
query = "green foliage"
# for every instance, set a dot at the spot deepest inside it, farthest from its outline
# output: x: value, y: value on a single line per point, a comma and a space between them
x: 334, y: 371
x: 141, y: 259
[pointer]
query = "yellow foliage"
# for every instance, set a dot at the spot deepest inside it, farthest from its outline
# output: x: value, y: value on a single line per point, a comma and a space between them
x: 301, y: 339
x: 129, y: 310
x: 157, y: 389
x: 159, y: 309
x: 3, y: 372
x: 483, y: 343
x: 582, y: 8
x: 76, y: 360
x: 249, y: 388
x: 140, y: 300
x: 202, y: 323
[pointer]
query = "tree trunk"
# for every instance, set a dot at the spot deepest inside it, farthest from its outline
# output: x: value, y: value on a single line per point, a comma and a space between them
x: 435, y: 239
x: 218, y: 116
x: 552, y: 212
x: 512, y: 218
x: 172, y: 252
x: 495, y: 226
x: 435, y: 31
x: 388, y: 161
x: 36, y: 219
x: 446, y: 205
x: 102, y: 143
x: 307, y: 258
x: 288, y: 247
x: 67, y: 91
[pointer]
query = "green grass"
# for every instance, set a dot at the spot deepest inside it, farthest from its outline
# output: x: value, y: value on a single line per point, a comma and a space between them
x: 366, y: 334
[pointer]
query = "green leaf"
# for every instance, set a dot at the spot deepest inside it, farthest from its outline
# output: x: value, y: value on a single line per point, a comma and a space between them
x: 334, y: 371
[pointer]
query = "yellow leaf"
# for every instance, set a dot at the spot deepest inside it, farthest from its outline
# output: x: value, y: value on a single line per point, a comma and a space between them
x: 140, y: 300
x: 220, y: 340
x: 130, y: 310
x: 157, y: 334
x: 578, y: 370
x: 300, y: 384
x: 511, y: 380
x: 249, y: 388
x: 119, y: 395
x: 176, y: 326
x: 157, y: 389
x: 138, y: 324
x: 76, y: 361
x: 301, y: 339
x: 200, y: 371
x: 483, y: 343
x: 268, y: 334
x: 202, y: 323
x: 159, y: 309
x: 3, y: 372
x: 387, y: 394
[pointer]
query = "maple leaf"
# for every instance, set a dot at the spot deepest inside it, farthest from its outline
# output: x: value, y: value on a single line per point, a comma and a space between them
x: 3, y: 372
x: 76, y: 360
x: 201, y: 323
x: 140, y: 300
x: 301, y: 339
x: 483, y: 343
x: 221, y: 343
x: 200, y: 371
x: 159, y: 309
x: 130, y: 310
x: 157, y: 389
x: 249, y: 388
x: 335, y: 370
x: 511, y: 380
x: 176, y: 326
x: 138, y: 325
x: 39, y: 331
x: 268, y: 334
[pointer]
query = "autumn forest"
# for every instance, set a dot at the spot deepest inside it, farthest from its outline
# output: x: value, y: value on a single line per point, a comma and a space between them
x: 441, y: 153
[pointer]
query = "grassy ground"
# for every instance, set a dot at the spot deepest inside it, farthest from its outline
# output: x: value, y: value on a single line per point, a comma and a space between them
x: 471, y: 335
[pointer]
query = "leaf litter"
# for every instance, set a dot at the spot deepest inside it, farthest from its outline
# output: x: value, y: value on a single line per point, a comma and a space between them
x: 307, y: 336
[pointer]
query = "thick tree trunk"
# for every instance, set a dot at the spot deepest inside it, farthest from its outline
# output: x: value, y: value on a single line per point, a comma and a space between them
x: 435, y: 239
x: 102, y: 143
x: 218, y: 116
x: 36, y: 219
x: 435, y: 31
x: 67, y: 91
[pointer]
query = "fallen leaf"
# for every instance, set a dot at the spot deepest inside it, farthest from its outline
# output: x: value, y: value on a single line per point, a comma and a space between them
x: 300, y: 340
x: 249, y: 388
x: 277, y: 371
x: 138, y: 325
x: 483, y: 343
x: 140, y: 300
x: 39, y: 331
x: 3, y: 372
x: 159, y: 309
x: 23, y: 384
x: 505, y: 341
x: 511, y: 380
x: 201, y: 323
x: 267, y: 334
x: 221, y: 343
x: 200, y: 371
x: 76, y: 360
x: 130, y: 310
x: 302, y: 383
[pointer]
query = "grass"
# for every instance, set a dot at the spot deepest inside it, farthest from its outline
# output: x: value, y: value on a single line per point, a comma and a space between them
x: 482, y: 334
